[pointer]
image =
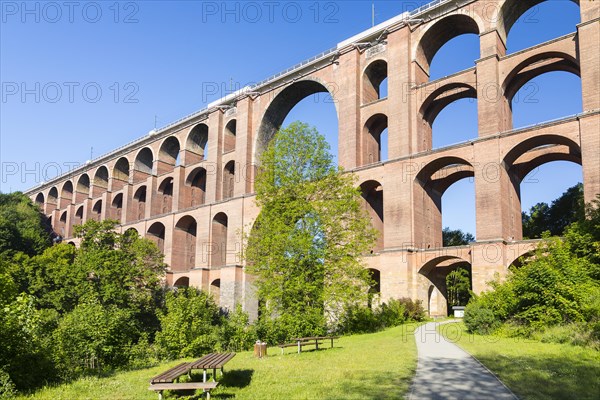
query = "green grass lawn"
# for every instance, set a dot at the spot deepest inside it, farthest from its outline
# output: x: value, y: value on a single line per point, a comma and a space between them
x: 532, y: 369
x: 373, y: 366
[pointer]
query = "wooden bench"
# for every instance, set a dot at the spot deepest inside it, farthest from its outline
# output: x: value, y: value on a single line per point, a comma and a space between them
x: 212, y: 361
x: 205, y: 386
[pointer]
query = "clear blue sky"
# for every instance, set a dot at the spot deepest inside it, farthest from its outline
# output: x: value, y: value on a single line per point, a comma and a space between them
x: 164, y: 59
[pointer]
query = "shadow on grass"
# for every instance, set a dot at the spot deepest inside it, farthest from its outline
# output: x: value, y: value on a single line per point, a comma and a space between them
x: 543, y: 376
x: 237, y: 378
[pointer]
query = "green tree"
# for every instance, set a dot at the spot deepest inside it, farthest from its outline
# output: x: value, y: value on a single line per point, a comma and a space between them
x: 22, y: 227
x: 189, y: 324
x: 305, y: 248
x: 458, y: 285
x: 555, y: 218
x: 456, y: 237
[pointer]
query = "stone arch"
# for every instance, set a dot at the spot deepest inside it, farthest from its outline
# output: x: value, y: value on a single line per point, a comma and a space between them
x: 219, y: 228
x: 439, y: 33
x: 372, y: 194
x: 100, y: 182
x: 373, y: 76
x: 215, y: 290
x: 61, y: 227
x: 138, y: 204
x: 97, y: 211
x: 435, y: 103
x: 131, y: 232
x: 196, y: 144
x: 120, y: 175
x: 53, y: 195
x: 39, y: 199
x: 164, y: 203
x: 78, y: 219
x: 168, y: 155
x: 229, y: 136
x: 536, y: 65
x: 83, y: 187
x: 510, y: 11
x: 117, y: 207
x: 280, y: 107
x: 430, y: 184
x: 371, y: 142
x: 66, y: 194
x: 156, y: 233
x: 374, y: 297
x: 228, y: 180
x: 196, y: 180
x: 431, y: 279
x: 184, y: 244
x: 527, y: 155
x: 183, y: 281
x: 143, y: 164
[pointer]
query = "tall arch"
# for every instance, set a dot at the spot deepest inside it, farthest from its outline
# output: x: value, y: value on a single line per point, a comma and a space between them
x: 100, y: 182
x: 280, y: 107
x: 219, y: 240
x: 82, y: 189
x: 372, y: 194
x: 229, y: 136
x: 78, y: 218
x: 528, y: 155
x: 196, y: 144
x: 168, y: 155
x: 156, y: 233
x: 431, y: 279
x: 53, y: 196
x: 430, y: 184
x: 120, y: 175
x: 66, y: 194
x: 137, y: 210
x: 96, y: 214
x: 164, y: 202
x: 372, y: 137
x: 374, y: 76
x: 228, y: 180
x: 39, y: 200
x: 196, y: 181
x: 184, y: 244
x: 215, y: 290
x: 439, y: 34
x: 434, y: 104
x: 117, y: 207
x: 143, y: 165
x: 511, y: 11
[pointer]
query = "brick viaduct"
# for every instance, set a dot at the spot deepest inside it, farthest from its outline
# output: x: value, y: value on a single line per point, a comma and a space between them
x: 189, y: 186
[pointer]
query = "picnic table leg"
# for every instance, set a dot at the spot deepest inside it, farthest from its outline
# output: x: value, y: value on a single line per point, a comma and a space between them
x: 214, y: 373
x: 207, y: 394
x: 332, y: 343
x: 299, y: 347
x: 204, y: 375
x: 160, y: 395
x: 317, y: 344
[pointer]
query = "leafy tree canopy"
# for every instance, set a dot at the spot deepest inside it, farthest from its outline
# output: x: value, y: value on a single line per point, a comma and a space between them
x: 305, y: 247
x: 456, y: 237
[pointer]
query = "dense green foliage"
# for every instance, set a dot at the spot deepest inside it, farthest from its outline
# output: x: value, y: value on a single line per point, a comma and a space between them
x: 557, y: 285
x: 456, y: 237
x: 458, y: 285
x: 395, y: 312
x: 306, y: 246
x: 555, y: 218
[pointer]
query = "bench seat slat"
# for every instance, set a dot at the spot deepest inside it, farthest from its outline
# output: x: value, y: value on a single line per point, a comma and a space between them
x: 171, y: 374
x: 183, y: 386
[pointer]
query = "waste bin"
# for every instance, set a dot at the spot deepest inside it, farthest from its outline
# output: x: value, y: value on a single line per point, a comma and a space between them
x: 260, y: 349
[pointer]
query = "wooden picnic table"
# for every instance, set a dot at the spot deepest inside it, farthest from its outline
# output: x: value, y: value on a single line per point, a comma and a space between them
x: 168, y: 380
x: 308, y: 341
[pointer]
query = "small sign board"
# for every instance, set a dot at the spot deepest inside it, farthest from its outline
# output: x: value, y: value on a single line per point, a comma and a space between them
x: 459, y: 311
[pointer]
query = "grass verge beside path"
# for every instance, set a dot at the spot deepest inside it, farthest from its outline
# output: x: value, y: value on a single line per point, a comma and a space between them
x: 532, y: 369
x: 373, y: 366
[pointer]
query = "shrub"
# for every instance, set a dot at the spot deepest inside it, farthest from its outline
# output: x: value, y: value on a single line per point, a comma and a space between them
x: 236, y: 332
x: 189, y: 324
x: 479, y: 319
x: 7, y: 387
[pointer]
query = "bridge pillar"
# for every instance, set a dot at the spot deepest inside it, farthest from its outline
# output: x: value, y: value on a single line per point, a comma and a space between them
x: 346, y: 94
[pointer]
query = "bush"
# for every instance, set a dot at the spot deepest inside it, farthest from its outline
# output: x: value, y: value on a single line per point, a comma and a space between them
x: 7, y: 387
x: 189, y: 324
x: 236, y: 332
x: 479, y: 319
x: 93, y: 338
